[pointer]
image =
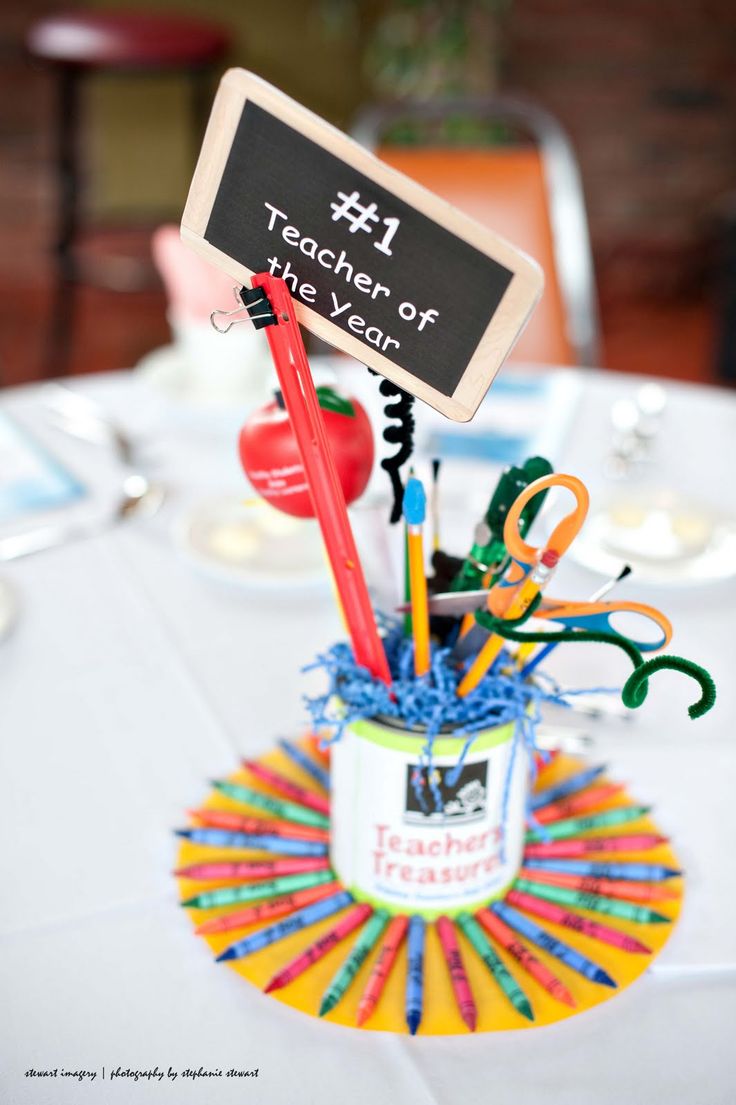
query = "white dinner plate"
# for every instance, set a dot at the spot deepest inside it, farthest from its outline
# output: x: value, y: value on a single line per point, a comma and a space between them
x: 246, y: 541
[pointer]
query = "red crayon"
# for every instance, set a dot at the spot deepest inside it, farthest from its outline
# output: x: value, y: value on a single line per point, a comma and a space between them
x: 351, y: 921
x: 458, y: 977
x: 288, y: 788
x: 577, y: 803
x: 509, y: 940
x: 252, y: 869
x: 635, y: 842
x: 611, y: 888
x: 559, y: 916
x: 267, y: 911
x: 393, y: 937
x: 258, y: 826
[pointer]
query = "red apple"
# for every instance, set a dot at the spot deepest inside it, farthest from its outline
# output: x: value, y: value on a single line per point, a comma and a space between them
x: 270, y: 457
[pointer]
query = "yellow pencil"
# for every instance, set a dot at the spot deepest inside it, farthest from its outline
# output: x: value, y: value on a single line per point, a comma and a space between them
x: 522, y: 600
x: 415, y: 509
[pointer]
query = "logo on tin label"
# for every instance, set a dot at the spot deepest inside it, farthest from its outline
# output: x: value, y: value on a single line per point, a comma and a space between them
x: 431, y: 800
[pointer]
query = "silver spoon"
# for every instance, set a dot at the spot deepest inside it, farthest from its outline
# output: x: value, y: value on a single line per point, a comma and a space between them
x: 139, y: 499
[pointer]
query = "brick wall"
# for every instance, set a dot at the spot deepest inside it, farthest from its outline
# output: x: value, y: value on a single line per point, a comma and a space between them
x: 647, y: 92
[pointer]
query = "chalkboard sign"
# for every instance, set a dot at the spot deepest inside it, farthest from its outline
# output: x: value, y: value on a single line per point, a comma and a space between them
x: 377, y: 265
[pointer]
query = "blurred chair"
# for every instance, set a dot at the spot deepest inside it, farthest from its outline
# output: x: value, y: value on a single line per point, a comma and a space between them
x: 509, y: 165
x: 76, y: 45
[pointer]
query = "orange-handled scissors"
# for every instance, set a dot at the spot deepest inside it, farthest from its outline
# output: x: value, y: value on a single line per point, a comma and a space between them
x: 541, y: 561
x: 564, y: 532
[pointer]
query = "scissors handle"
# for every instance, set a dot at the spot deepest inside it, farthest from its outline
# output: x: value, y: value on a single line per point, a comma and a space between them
x: 564, y: 532
x: 596, y: 617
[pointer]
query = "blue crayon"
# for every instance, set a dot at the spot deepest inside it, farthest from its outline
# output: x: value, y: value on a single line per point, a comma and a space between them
x: 635, y: 872
x: 309, y: 915
x: 543, y: 939
x: 568, y: 786
x: 415, y: 973
x: 223, y: 838
x: 298, y: 756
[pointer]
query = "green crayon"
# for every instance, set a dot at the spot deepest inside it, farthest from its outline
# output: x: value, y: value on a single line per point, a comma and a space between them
x: 612, y: 906
x: 355, y: 960
x: 277, y: 807
x: 574, y: 826
x: 269, y: 888
x: 506, y: 981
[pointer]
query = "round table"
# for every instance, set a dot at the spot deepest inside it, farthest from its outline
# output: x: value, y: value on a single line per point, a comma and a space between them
x: 131, y: 679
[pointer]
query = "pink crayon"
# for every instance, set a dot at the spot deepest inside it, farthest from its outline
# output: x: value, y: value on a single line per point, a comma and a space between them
x: 559, y: 916
x: 252, y: 869
x: 288, y: 788
x: 458, y: 977
x: 635, y: 842
x: 319, y: 948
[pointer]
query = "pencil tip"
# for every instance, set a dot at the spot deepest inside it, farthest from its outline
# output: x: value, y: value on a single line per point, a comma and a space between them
x: 223, y: 956
x: 182, y: 832
x: 526, y: 1010
x: 412, y: 1021
x: 273, y: 984
x: 605, y: 979
x: 361, y: 1017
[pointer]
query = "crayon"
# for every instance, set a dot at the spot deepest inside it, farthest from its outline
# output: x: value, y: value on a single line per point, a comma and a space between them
x: 233, y: 895
x: 319, y: 948
x: 609, y: 888
x: 573, y: 921
x: 381, y: 970
x: 548, y: 943
x: 307, y: 915
x: 358, y: 954
x: 638, y: 872
x: 302, y: 795
x: 266, y: 911
x: 506, y: 938
x: 223, y: 838
x: 277, y: 807
x: 577, y: 803
x: 574, y: 826
x: 298, y: 756
x: 568, y: 786
x: 503, y: 977
x: 253, y: 869
x: 569, y: 849
x: 415, y: 973
x: 226, y: 819
x: 614, y: 908
x: 315, y: 740
x: 458, y: 977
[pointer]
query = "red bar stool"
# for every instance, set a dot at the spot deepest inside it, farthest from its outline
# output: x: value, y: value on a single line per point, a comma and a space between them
x: 75, y: 45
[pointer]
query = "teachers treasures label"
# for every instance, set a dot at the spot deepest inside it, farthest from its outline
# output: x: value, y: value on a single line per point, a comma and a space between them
x: 424, y: 836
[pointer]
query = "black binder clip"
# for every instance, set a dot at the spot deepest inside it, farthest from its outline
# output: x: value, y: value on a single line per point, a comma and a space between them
x: 254, y: 302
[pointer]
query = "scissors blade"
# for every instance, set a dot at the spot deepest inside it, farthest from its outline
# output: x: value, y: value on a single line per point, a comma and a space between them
x: 452, y: 604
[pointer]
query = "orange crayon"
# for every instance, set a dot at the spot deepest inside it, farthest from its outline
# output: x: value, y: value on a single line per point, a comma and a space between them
x: 508, y: 940
x: 370, y: 997
x: 258, y: 826
x: 577, y: 803
x: 611, y: 888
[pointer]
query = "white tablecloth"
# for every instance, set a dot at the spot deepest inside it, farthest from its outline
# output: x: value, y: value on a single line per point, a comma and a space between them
x: 132, y: 678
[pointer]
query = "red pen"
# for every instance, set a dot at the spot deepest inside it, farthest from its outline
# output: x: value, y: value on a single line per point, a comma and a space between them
x: 328, y: 500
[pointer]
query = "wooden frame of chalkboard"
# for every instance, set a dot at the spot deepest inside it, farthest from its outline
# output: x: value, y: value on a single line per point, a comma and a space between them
x: 377, y: 265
